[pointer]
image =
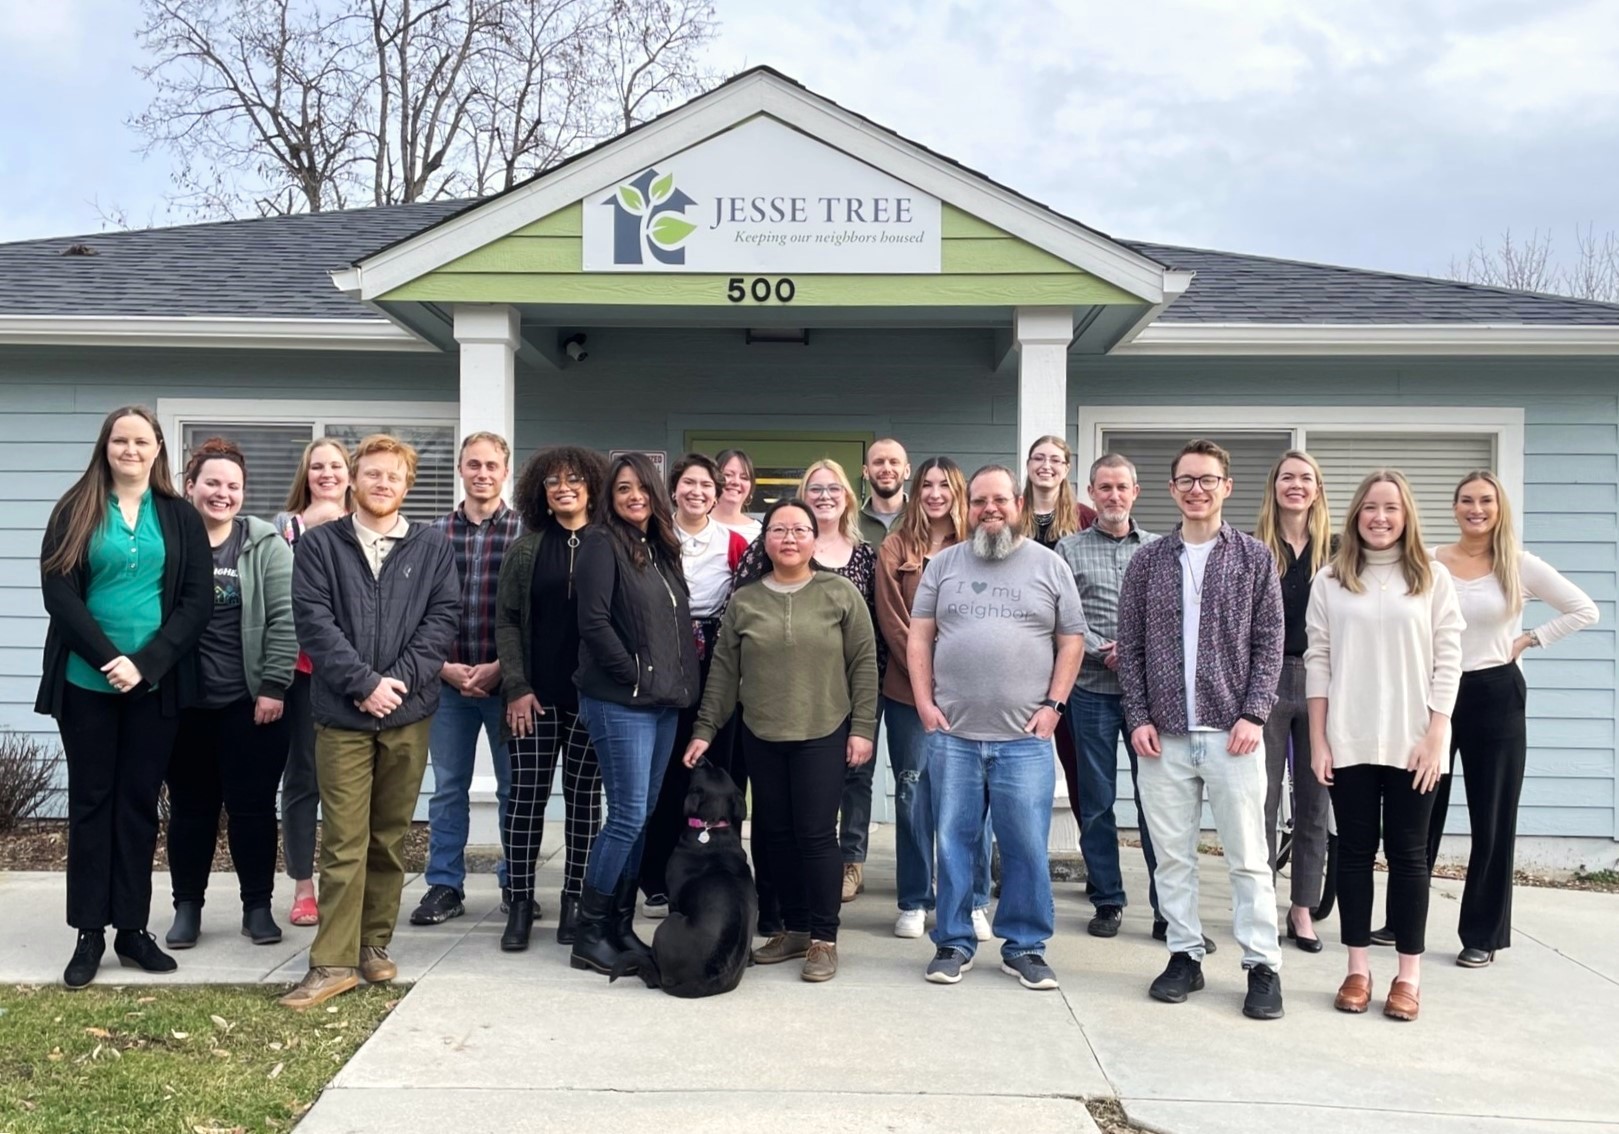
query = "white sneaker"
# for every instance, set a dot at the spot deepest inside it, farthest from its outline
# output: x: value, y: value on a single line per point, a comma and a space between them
x: 910, y: 923
x: 981, y: 929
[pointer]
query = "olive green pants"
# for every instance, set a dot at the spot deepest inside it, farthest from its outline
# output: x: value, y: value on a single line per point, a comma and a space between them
x: 369, y: 785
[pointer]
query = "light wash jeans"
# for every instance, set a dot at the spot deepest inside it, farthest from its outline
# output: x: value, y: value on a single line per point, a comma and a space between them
x: 1015, y: 779
x: 1172, y: 792
x: 452, y: 742
x: 913, y: 813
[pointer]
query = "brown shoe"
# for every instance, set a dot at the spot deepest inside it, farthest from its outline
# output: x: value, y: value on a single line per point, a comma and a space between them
x: 319, y: 985
x: 821, y: 962
x: 854, y: 880
x: 375, y: 964
x: 1403, y: 1002
x: 1354, y: 994
x: 782, y: 947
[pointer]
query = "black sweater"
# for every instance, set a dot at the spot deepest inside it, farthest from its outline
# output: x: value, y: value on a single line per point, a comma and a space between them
x: 635, y: 637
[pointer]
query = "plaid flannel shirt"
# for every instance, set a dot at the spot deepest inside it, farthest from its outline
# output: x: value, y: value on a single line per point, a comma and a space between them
x: 479, y: 551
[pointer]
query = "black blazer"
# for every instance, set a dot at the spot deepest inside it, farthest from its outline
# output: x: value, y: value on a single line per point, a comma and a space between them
x: 188, y: 601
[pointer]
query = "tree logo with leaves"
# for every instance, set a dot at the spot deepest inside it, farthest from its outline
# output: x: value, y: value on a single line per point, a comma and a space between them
x: 647, y: 220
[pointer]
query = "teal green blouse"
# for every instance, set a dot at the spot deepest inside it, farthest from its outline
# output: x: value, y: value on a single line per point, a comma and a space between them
x: 126, y: 586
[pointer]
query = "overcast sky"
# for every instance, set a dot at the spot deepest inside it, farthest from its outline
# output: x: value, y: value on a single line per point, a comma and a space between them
x: 1367, y: 132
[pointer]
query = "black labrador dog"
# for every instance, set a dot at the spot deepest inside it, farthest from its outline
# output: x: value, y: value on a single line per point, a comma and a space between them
x: 702, y: 947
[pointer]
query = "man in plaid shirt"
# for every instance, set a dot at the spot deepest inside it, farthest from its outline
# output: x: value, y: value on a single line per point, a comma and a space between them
x: 480, y: 530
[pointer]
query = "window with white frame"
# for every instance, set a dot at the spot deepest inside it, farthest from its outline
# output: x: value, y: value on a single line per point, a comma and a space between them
x: 272, y: 436
x: 1434, y: 447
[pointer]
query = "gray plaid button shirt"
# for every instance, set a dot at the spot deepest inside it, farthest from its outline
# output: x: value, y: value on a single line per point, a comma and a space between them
x: 1098, y: 562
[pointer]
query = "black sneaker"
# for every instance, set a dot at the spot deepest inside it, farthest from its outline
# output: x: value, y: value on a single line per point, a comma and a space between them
x: 137, y: 948
x: 81, y: 970
x: 1264, y: 999
x: 1183, y: 976
x: 439, y: 905
x: 1160, y: 932
x: 1106, y: 922
x: 947, y: 965
x: 1384, y: 936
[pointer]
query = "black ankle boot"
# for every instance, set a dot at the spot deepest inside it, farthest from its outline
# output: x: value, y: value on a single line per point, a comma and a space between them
x: 592, y: 949
x: 187, y: 925
x: 568, y: 920
x: 138, y: 949
x: 259, y: 924
x: 81, y: 970
x: 519, y: 923
x: 621, y: 927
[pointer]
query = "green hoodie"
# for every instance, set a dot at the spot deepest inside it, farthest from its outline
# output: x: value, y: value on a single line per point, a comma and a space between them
x: 269, y: 645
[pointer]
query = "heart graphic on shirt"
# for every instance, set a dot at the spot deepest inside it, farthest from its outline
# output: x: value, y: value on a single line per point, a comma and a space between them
x: 980, y: 588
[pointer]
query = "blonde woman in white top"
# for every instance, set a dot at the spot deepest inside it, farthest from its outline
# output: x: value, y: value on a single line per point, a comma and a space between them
x: 1493, y: 577
x: 1381, y: 672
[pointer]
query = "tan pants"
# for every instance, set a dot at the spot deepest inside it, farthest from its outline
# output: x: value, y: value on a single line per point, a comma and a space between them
x: 369, y: 784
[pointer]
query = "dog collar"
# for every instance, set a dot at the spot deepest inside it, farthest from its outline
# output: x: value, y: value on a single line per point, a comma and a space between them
x: 697, y: 824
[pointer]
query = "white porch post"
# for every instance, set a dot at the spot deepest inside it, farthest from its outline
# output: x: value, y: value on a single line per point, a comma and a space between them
x: 1041, y: 336
x: 489, y: 335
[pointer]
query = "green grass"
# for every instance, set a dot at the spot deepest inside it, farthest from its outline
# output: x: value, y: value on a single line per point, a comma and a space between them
x: 184, y: 1060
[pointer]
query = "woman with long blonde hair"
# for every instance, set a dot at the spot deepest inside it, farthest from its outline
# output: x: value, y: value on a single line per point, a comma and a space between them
x: 1494, y: 574
x: 1295, y: 524
x: 321, y: 490
x: 1051, y: 510
x: 1381, y: 671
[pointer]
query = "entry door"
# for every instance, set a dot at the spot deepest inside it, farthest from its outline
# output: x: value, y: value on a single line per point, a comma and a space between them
x: 779, y: 460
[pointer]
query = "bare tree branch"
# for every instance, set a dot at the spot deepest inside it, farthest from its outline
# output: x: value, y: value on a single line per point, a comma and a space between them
x: 1531, y: 266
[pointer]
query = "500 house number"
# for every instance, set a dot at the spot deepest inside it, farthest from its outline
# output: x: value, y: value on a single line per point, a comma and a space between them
x: 760, y: 289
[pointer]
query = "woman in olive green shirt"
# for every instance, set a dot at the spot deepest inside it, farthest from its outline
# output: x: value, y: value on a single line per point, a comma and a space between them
x: 797, y: 651
x: 127, y: 579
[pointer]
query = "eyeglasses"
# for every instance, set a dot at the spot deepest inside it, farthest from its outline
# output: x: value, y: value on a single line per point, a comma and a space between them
x: 1206, y: 483
x: 824, y: 490
x: 778, y: 531
x: 573, y: 480
x: 1045, y: 460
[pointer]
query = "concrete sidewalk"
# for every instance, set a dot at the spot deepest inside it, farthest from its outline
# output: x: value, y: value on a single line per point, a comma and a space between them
x: 493, y: 1042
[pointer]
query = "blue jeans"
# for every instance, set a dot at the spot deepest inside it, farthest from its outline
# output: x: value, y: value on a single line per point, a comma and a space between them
x: 1017, y: 778
x: 632, y: 747
x: 913, y: 813
x: 1098, y: 723
x: 452, y: 742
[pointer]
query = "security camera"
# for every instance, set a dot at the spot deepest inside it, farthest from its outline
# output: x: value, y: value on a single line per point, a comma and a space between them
x: 576, y: 348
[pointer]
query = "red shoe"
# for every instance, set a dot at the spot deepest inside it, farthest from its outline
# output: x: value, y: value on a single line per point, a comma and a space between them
x: 305, y: 912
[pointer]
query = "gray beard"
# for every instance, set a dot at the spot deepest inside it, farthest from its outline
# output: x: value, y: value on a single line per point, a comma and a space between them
x: 996, y: 547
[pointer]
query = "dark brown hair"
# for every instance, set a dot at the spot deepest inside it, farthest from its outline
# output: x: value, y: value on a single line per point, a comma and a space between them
x: 213, y: 449
x: 696, y: 460
x: 660, y: 538
x: 83, y: 508
x: 529, y: 496
x: 1201, y: 447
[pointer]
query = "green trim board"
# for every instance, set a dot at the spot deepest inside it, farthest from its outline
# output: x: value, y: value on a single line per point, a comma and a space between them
x: 540, y: 263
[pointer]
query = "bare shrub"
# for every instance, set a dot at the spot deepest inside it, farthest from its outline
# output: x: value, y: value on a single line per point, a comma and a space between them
x: 27, y: 777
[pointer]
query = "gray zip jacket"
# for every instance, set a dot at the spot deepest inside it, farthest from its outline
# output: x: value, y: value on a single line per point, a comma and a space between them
x: 358, y: 629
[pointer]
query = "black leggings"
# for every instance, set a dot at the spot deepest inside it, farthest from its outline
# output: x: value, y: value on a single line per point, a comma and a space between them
x: 1367, y: 798
x: 221, y: 756
x: 797, y: 787
x: 116, y: 746
x: 1488, y: 732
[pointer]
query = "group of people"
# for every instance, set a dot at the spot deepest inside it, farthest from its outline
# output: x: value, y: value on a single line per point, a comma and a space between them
x: 627, y: 625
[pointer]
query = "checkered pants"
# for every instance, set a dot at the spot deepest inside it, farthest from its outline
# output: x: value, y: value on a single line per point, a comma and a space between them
x: 534, y: 762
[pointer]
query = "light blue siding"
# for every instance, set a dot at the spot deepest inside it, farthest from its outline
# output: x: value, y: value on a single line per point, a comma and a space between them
x: 936, y: 391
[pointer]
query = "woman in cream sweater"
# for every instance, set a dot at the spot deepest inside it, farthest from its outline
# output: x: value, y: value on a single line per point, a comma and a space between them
x: 1381, y: 673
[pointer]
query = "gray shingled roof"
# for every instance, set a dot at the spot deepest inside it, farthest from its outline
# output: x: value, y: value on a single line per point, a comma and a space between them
x: 278, y: 267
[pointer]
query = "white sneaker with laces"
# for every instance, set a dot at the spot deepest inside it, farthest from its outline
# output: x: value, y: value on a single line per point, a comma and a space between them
x: 910, y: 923
x: 981, y: 929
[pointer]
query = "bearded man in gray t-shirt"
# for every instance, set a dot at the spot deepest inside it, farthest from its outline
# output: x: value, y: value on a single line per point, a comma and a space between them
x: 996, y: 639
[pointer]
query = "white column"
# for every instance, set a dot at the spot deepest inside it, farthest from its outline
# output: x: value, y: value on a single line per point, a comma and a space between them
x: 1041, y: 336
x: 489, y: 335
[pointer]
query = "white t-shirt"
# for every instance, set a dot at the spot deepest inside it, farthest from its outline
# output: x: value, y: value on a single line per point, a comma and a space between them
x: 705, y: 559
x: 1194, y: 569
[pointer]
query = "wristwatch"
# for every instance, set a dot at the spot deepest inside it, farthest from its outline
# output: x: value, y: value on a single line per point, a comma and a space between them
x: 1058, y: 707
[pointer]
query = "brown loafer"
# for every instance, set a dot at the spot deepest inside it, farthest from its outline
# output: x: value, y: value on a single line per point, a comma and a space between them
x: 1354, y: 994
x: 375, y: 964
x: 1403, y: 1002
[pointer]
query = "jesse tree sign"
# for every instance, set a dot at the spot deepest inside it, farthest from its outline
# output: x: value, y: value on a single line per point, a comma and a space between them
x: 761, y: 198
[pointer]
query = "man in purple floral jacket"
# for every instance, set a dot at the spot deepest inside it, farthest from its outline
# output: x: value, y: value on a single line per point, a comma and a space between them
x: 1200, y: 655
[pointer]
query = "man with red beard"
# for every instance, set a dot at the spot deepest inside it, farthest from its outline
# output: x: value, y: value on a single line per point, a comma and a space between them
x: 376, y: 602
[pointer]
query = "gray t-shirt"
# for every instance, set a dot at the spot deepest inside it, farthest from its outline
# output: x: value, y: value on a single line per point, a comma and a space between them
x: 997, y: 626
x: 219, y: 653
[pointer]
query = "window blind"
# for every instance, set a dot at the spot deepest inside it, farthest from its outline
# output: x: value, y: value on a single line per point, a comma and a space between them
x: 1432, y: 462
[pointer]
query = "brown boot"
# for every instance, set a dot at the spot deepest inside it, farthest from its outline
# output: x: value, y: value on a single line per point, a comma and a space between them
x: 782, y: 947
x: 821, y: 963
x: 1354, y: 994
x: 1403, y: 1002
x: 375, y: 964
x: 854, y: 880
x: 319, y: 985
